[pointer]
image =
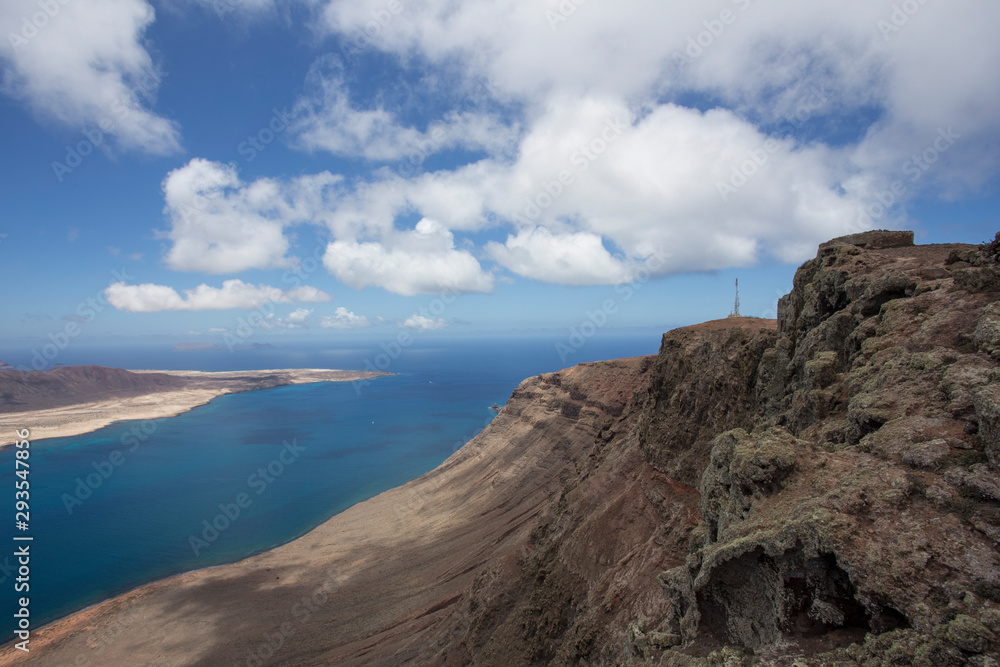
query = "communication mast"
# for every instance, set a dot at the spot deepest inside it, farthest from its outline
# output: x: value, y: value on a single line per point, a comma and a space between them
x: 736, y: 306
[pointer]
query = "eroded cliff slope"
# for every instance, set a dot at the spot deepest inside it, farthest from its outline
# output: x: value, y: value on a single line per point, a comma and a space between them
x: 821, y: 490
x: 826, y: 493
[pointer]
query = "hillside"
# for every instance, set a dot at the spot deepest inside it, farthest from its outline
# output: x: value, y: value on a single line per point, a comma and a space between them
x: 821, y: 490
x: 68, y: 385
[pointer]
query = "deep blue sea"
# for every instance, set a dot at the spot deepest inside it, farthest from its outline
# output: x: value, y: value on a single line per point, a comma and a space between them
x: 128, y: 504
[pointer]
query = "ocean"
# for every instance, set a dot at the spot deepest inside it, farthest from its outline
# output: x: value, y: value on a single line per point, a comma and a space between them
x: 137, y: 501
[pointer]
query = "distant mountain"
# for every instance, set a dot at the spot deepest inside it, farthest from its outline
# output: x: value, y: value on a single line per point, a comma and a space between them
x: 67, y: 385
x: 195, y: 347
x: 4, y: 366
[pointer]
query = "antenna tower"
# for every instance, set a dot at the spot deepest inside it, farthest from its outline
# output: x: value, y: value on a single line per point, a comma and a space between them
x: 736, y: 306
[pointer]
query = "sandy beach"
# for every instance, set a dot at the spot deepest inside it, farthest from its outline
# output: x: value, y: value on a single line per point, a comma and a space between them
x: 199, y: 388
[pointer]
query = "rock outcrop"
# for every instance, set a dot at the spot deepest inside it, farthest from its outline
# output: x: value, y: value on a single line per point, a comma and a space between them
x: 820, y: 490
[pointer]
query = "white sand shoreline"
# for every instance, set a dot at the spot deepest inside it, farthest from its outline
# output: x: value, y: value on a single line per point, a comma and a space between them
x: 88, y: 416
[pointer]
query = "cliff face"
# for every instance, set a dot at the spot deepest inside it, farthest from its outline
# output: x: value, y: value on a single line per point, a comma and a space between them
x: 819, y: 490
x: 827, y: 491
x: 865, y: 499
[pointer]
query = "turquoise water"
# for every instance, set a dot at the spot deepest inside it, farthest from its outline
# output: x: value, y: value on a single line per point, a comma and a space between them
x: 139, y: 501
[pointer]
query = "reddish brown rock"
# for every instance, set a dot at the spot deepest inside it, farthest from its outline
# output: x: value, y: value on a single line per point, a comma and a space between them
x: 819, y: 491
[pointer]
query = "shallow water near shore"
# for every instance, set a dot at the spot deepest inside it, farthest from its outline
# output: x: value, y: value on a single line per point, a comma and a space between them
x: 139, y: 501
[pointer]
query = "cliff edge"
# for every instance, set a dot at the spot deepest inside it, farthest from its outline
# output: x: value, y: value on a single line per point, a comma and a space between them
x: 820, y: 490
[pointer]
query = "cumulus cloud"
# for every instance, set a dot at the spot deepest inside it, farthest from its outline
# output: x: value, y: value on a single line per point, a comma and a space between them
x: 218, y: 224
x: 149, y: 297
x: 342, y: 318
x: 420, y: 261
x: 597, y: 192
x: 635, y: 136
x: 423, y: 323
x: 850, y: 93
x: 327, y: 120
x: 299, y: 316
x: 85, y: 65
x: 568, y: 259
x: 307, y: 294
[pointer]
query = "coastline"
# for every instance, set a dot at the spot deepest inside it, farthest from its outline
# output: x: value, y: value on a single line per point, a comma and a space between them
x: 201, y: 387
x: 374, y: 576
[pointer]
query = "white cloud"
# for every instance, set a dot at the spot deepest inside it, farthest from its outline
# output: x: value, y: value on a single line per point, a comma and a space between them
x: 222, y: 225
x: 299, y: 316
x: 148, y: 297
x: 85, y: 65
x: 892, y: 78
x: 327, y: 120
x: 593, y: 172
x: 423, y: 323
x: 307, y: 294
x: 420, y: 261
x: 568, y: 259
x: 342, y: 318
x: 596, y: 192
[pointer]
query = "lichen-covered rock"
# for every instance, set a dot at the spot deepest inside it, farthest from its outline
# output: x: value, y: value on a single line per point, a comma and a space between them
x: 874, y: 239
x: 987, y: 334
x: 883, y: 289
x: 743, y: 467
x: 969, y: 634
x: 821, y: 370
x: 987, y: 405
x: 905, y: 647
x: 977, y: 479
x: 927, y: 455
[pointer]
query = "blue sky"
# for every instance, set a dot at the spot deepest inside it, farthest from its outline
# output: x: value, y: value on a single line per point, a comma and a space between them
x: 353, y: 168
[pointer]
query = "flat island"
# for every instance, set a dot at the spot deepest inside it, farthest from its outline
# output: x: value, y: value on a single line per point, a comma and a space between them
x: 73, y: 400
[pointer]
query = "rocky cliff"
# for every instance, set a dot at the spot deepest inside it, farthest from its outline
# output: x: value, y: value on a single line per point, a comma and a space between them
x: 820, y: 490
x: 826, y: 492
